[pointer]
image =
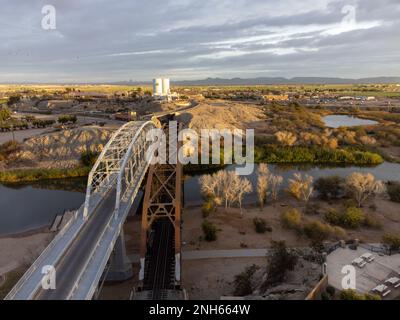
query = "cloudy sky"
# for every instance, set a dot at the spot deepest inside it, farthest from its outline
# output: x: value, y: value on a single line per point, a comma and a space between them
x: 104, y: 40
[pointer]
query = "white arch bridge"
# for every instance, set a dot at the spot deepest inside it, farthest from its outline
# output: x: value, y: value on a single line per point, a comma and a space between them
x: 80, y: 252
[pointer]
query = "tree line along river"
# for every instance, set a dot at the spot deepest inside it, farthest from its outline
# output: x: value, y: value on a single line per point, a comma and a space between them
x: 29, y: 207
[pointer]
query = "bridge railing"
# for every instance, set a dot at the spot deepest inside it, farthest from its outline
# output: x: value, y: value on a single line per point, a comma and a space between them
x: 133, y: 159
x: 132, y: 172
x: 108, y: 164
x: 41, y: 257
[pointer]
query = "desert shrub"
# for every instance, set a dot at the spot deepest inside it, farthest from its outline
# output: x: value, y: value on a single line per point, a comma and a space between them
x: 38, y: 123
x: 8, y: 148
x: 280, y: 261
x: 207, y: 207
x: 312, y: 208
x: 348, y: 203
x: 63, y: 119
x: 329, y: 187
x: 88, y: 158
x: 353, y: 218
x: 339, y: 232
x: 291, y: 219
x: 209, y: 230
x: 5, y: 114
x: 325, y: 296
x: 260, y: 225
x: 318, y: 231
x: 243, y: 281
x: 330, y: 290
x: 392, y: 240
x: 353, y: 295
x: 371, y: 221
x: 393, y: 189
x: 350, y: 295
x: 333, y: 216
x: 369, y: 296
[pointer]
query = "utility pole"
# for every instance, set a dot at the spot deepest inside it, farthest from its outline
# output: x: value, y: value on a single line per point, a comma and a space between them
x: 12, y: 131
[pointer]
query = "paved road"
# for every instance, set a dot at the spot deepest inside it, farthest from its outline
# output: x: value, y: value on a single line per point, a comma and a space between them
x: 233, y: 253
x: 72, y: 263
x: 215, y: 254
x: 20, y: 135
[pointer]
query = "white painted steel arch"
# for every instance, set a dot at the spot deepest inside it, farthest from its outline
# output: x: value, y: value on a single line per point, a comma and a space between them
x: 119, y: 170
x: 127, y: 142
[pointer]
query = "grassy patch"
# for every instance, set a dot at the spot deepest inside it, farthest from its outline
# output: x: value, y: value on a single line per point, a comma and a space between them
x: 12, y: 278
x: 29, y: 175
x: 314, y: 154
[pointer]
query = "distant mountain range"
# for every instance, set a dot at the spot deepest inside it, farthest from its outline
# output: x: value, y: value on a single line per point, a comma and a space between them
x: 274, y: 80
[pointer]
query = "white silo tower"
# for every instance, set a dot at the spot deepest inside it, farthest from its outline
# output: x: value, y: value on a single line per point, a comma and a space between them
x: 157, y: 87
x: 165, y: 87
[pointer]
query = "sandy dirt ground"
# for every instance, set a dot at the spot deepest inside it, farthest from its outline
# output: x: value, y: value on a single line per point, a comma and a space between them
x: 392, y: 151
x: 213, y: 278
x: 21, y: 251
x: 208, y: 278
x: 120, y: 290
x: 21, y: 135
x: 222, y: 115
x: 237, y: 231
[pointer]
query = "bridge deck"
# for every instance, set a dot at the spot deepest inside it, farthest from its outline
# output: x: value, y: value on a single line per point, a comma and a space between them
x: 68, y: 269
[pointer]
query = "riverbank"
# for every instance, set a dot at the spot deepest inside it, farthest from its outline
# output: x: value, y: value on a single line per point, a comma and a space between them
x: 31, y: 175
x: 17, y: 254
x: 315, y: 155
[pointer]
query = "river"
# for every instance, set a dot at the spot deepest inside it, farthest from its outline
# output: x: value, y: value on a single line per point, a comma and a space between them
x: 30, y: 207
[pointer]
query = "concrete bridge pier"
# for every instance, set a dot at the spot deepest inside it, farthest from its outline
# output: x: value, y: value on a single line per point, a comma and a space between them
x: 120, y: 267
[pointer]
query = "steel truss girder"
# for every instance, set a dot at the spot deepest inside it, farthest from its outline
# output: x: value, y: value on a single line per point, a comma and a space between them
x: 163, y: 199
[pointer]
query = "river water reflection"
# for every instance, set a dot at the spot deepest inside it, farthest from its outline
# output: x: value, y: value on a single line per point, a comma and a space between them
x: 336, y: 121
x: 386, y: 172
x: 29, y: 207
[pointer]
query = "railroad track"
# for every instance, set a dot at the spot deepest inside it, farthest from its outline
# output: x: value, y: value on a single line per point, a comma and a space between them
x: 159, y: 269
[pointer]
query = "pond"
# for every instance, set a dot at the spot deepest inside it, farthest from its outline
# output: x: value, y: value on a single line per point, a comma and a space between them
x: 336, y: 121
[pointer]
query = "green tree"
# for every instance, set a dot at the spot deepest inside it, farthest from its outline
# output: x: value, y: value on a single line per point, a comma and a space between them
x: 5, y: 114
x: 329, y: 187
x: 13, y: 100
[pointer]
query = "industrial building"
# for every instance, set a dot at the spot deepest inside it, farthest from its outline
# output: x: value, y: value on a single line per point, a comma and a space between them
x: 162, y: 90
x: 161, y: 87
